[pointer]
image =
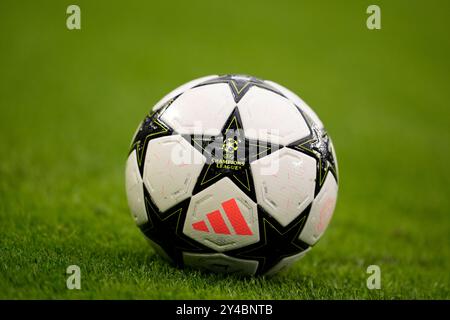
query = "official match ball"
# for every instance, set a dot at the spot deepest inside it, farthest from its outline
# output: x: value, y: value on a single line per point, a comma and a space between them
x: 232, y: 174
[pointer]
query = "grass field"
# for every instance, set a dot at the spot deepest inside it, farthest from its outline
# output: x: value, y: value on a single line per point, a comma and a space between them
x: 71, y: 100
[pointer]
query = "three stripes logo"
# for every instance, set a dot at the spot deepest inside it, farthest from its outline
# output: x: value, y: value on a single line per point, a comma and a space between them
x: 218, y: 224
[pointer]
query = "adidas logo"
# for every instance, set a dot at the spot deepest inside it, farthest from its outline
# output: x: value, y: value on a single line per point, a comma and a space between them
x: 234, y: 215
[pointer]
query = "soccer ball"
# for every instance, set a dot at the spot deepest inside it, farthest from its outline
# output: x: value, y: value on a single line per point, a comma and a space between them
x: 232, y: 174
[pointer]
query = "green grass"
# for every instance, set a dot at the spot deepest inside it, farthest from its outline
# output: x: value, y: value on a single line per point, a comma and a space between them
x: 71, y: 100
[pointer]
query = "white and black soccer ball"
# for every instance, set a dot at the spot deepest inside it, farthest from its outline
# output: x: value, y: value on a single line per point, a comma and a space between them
x: 232, y: 174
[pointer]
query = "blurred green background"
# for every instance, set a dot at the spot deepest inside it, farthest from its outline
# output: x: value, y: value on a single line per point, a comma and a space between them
x: 71, y: 100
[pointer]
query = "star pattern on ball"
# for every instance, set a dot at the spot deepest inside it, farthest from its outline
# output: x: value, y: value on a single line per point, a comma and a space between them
x: 166, y: 229
x: 277, y: 242
x: 150, y: 128
x: 229, y: 154
x: 240, y: 84
x: 318, y: 145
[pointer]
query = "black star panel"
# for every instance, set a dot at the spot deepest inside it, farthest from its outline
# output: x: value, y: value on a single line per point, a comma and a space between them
x: 240, y: 84
x: 229, y: 155
x: 166, y: 229
x: 151, y: 128
x: 317, y: 145
x: 276, y: 243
